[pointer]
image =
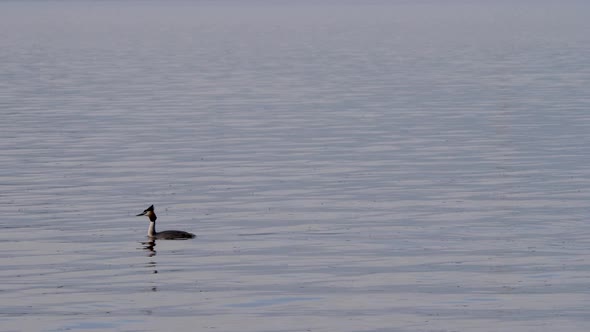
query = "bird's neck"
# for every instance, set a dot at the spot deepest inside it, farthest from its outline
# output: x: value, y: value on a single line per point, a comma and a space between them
x: 152, y: 229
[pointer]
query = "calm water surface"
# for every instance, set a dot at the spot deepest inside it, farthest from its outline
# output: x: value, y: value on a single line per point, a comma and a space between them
x: 388, y: 166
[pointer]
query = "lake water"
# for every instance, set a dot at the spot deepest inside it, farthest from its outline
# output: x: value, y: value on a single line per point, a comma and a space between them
x: 347, y: 166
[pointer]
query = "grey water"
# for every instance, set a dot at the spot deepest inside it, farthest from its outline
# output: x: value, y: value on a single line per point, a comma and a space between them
x: 346, y: 166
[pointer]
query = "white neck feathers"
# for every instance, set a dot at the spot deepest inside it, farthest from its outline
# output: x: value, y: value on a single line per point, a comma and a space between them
x: 152, y: 229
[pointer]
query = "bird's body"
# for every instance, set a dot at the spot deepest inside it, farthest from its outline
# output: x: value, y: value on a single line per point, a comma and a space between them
x: 165, y: 235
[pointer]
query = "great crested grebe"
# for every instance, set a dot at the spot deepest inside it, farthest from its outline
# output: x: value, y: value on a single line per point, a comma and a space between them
x: 165, y: 235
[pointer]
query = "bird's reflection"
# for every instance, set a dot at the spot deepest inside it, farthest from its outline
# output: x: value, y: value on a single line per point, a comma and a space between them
x: 151, y: 252
x: 149, y: 246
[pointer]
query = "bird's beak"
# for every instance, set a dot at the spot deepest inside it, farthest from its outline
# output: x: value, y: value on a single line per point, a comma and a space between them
x: 142, y: 214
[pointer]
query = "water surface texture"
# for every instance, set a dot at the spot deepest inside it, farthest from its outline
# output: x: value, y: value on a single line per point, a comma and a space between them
x: 347, y: 166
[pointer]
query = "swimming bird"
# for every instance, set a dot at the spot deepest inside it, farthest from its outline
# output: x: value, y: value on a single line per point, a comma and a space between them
x: 165, y: 235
